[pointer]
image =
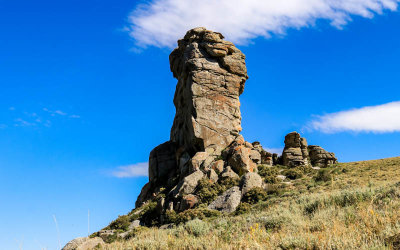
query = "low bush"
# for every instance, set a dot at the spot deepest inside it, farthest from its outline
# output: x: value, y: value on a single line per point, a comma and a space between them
x: 207, y: 191
x: 190, y: 214
x: 293, y: 174
x: 197, y: 227
x: 255, y: 195
x: 268, y: 173
x: 323, y: 175
x: 122, y: 222
x: 243, y: 208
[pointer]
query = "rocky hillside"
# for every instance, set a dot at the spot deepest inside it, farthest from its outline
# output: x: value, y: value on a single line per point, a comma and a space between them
x: 210, y: 188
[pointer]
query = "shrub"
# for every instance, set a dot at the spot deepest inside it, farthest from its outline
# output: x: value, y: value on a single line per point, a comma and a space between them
x: 323, y: 175
x: 149, y: 214
x: 207, y: 191
x: 190, y: 214
x: 255, y: 195
x: 227, y: 183
x: 274, y: 222
x: 243, y: 208
x: 122, y: 222
x: 268, y: 173
x: 293, y: 174
x: 197, y: 227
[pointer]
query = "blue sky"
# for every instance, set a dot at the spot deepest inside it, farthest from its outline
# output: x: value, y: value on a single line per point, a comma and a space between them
x: 86, y: 93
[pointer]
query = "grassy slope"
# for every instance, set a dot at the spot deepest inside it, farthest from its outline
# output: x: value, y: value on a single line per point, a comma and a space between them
x: 358, y: 207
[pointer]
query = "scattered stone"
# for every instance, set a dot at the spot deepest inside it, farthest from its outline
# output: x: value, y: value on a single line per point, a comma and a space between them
x: 167, y: 226
x: 281, y: 177
x: 228, y: 201
x: 249, y: 181
x: 84, y: 243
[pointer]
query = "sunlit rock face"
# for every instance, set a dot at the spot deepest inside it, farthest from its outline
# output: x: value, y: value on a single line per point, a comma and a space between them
x: 211, y: 75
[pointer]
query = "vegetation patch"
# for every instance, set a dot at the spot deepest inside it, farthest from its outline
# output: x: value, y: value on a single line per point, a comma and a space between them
x: 255, y: 195
x: 268, y: 173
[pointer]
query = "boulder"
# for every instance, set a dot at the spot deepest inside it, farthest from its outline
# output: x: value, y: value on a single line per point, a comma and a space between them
x: 187, y: 185
x: 134, y: 224
x: 229, y: 173
x: 212, y: 175
x: 188, y: 202
x: 240, y: 160
x: 250, y: 180
x: 228, y: 201
x: 197, y: 161
x: 319, y: 157
x: 218, y: 166
x: 84, y: 243
x: 211, y: 74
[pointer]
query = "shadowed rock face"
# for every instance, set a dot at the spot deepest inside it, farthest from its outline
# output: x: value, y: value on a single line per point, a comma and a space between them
x: 211, y: 74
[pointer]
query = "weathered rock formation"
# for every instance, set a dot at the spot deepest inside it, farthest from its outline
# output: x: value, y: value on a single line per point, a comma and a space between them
x: 319, y: 157
x: 298, y: 153
x: 295, y: 152
x: 211, y: 74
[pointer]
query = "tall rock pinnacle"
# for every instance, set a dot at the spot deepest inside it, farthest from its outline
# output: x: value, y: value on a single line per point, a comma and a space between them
x: 211, y: 74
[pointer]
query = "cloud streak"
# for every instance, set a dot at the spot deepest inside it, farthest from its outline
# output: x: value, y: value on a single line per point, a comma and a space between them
x: 383, y: 118
x: 134, y: 170
x: 161, y: 22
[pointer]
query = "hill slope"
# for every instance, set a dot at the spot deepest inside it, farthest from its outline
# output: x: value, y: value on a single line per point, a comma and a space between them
x: 347, y: 206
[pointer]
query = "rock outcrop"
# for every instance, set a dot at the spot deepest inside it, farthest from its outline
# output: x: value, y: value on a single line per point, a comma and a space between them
x: 295, y: 152
x: 298, y: 153
x: 211, y: 74
x: 319, y: 157
x: 84, y: 243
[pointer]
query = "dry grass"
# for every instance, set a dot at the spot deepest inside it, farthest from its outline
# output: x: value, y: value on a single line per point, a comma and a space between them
x: 358, y: 208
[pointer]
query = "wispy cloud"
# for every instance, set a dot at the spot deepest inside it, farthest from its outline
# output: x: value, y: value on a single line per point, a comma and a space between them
x: 42, y: 117
x: 134, y: 170
x: 383, y: 118
x: 19, y: 122
x: 161, y: 22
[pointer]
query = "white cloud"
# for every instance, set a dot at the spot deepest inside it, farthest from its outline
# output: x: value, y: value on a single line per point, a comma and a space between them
x: 134, y: 170
x: 377, y: 119
x: 161, y: 22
